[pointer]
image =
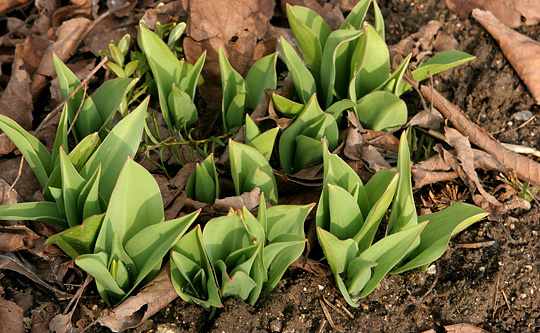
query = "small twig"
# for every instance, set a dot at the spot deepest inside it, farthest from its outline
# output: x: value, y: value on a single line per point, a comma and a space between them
x: 329, y: 318
x: 506, y: 300
x: 77, y: 296
x: 435, y: 279
x: 78, y: 111
x: 19, y: 174
x: 335, y: 308
x: 521, y: 149
x: 322, y: 326
x: 477, y: 245
x: 496, y: 296
x: 83, y: 83
x: 344, y: 309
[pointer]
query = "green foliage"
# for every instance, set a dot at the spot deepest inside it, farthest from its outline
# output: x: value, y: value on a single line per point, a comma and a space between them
x: 238, y: 254
x: 242, y: 96
x: 176, y: 80
x: 263, y: 142
x: 92, y: 114
x: 77, y: 185
x: 134, y: 237
x: 203, y: 184
x: 352, y: 63
x: 301, y: 143
x: 250, y: 169
x: 349, y: 214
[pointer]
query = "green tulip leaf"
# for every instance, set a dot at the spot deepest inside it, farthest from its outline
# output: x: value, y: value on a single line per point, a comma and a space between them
x: 80, y: 239
x: 182, y: 111
x: 287, y: 107
x: 263, y: 142
x: 96, y: 265
x: 357, y: 15
x: 339, y: 253
x: 43, y: 211
x: 381, y: 111
x: 304, y: 82
x: 262, y: 75
x: 344, y: 223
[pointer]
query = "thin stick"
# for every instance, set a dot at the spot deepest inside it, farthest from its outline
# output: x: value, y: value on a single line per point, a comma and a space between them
x: 496, y: 296
x: 335, y: 308
x: 421, y: 298
x: 78, y: 111
x: 18, y: 176
x: 83, y: 83
x: 506, y: 300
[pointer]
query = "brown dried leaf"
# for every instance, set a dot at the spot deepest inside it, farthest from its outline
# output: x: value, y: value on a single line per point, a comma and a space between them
x: 172, y: 12
x: 69, y: 36
x: 14, y: 238
x: 460, y: 328
x: 77, y: 8
x: 465, y: 155
x: 250, y: 200
x: 507, y: 11
x: 520, y: 50
x: 11, y: 317
x: 109, y: 28
x: 136, y: 309
x: 16, y: 101
x: 8, y: 5
x: 527, y: 169
x: 238, y: 26
x: 40, y: 324
x: 312, y: 266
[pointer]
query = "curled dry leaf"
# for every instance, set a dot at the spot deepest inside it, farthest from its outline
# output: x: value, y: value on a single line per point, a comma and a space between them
x: 17, y: 237
x: 465, y: 155
x: 460, y: 328
x: 520, y: 50
x: 526, y: 169
x: 136, y: 309
x: 507, y: 11
x: 8, y: 5
x: 250, y: 200
x: 68, y: 37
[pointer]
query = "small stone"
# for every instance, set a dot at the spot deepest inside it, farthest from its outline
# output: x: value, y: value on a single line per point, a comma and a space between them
x: 320, y: 287
x: 275, y: 325
x: 431, y: 270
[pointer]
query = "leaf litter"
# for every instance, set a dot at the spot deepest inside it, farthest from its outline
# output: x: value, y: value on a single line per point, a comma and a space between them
x: 360, y: 145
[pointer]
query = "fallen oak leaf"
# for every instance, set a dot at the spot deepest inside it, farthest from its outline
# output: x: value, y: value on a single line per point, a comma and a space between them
x: 526, y: 169
x: 16, y: 101
x: 520, y: 50
x: 11, y: 317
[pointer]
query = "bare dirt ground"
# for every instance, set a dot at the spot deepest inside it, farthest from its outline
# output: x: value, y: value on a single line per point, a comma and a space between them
x: 488, y: 277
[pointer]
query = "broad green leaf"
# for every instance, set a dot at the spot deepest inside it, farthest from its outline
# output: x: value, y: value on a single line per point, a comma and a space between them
x: 203, y: 184
x: 58, y: 198
x: 358, y: 274
x: 239, y: 285
x: 345, y: 216
x: 233, y: 117
x: 253, y: 226
x: 377, y: 185
x: 436, y: 235
x: 164, y: 65
x: 403, y: 214
x: 381, y: 110
x: 287, y: 107
x: 357, y: 15
x: 311, y: 114
x: 148, y: 247
x: 84, y: 150
x: 189, y: 83
x: 244, y: 161
x: 311, y: 33
x: 43, y: 211
x: 337, y: 172
x: 107, y: 99
x: 366, y: 235
x: 379, y: 20
x: 335, y: 64
x: 339, y: 253
x: 233, y: 85
x: 89, y: 202
x: 95, y: 265
x: 338, y: 107
x: 60, y: 139
x: 265, y: 142
x: 182, y: 111
x: 188, y: 259
x: 265, y: 182
x: 120, y: 143
x: 286, y: 219
x: 88, y: 119
x: 134, y: 205
x: 175, y: 34
x: 119, y: 254
x: 224, y: 235
x: 262, y: 75
x: 301, y: 76
x: 393, y: 83
x: 370, y: 63
x: 72, y: 185
x: 388, y: 252
x: 279, y: 255
x: 68, y: 83
x: 79, y: 239
x: 35, y: 153
x: 308, y: 152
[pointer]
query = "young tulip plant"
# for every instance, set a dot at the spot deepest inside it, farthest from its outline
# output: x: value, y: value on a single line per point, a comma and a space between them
x: 349, y: 215
x: 250, y: 169
x: 238, y: 254
x: 91, y: 114
x: 134, y: 236
x: 241, y: 96
x: 300, y: 145
x: 263, y: 142
x: 176, y: 80
x: 203, y: 184
x: 353, y: 64
x: 77, y: 184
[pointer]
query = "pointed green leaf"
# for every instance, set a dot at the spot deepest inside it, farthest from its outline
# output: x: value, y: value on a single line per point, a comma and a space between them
x: 72, y: 185
x: 286, y: 219
x: 262, y: 75
x: 287, y: 107
x: 436, y: 235
x: 279, y: 255
x: 108, y: 97
x: 43, y: 211
x: 95, y: 265
x: 182, y: 111
x: 79, y: 239
x: 345, y: 216
x: 357, y: 15
x: 339, y: 253
x: 358, y: 274
x: 89, y: 202
x: 441, y: 62
x: 234, y: 115
x: 301, y: 76
x: 381, y: 111
x: 35, y: 153
x: 189, y: 83
x: 239, y: 285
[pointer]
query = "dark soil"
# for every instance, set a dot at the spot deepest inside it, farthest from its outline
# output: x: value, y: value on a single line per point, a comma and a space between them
x: 494, y: 286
